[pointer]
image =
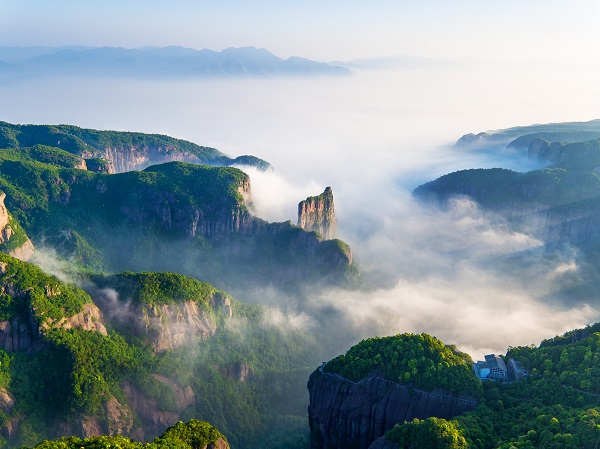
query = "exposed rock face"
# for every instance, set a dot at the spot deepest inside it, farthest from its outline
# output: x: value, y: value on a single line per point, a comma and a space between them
x: 154, y: 420
x: 7, y: 401
x: 164, y: 326
x: 214, y: 222
x: 169, y: 326
x: 241, y: 372
x: 22, y: 333
x: 89, y: 319
x: 219, y: 444
x: 317, y: 213
x: 344, y: 414
x: 9, y: 229
x: 130, y: 158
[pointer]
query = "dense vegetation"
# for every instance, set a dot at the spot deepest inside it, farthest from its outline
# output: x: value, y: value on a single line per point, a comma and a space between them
x: 249, y: 378
x: 157, y: 288
x: 80, y: 141
x: 557, y: 406
x: 191, y: 435
x: 420, y: 360
x: 30, y: 287
x: 178, y: 217
x: 431, y: 433
x: 500, y: 189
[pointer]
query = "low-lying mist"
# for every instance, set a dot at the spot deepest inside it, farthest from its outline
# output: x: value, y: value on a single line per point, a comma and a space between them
x: 458, y: 274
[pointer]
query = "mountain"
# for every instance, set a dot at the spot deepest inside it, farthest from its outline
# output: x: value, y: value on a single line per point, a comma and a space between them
x: 114, y: 151
x: 192, y: 219
x: 317, y: 213
x: 519, y: 137
x: 558, y: 204
x: 357, y: 397
x: 135, y: 353
x: 126, y: 343
x: 159, y: 62
x: 554, y: 402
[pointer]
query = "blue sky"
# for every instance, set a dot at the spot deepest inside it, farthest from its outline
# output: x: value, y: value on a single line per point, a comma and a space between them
x: 335, y: 29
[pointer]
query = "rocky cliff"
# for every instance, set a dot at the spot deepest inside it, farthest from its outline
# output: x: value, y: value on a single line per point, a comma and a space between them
x: 344, y: 414
x: 13, y: 240
x: 34, y: 302
x: 117, y: 152
x: 22, y: 333
x: 317, y: 213
x: 166, y: 326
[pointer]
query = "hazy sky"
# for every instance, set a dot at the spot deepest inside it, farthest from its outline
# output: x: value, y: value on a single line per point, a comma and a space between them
x: 334, y: 29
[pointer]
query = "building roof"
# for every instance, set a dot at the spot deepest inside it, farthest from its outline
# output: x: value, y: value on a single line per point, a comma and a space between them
x: 494, y: 361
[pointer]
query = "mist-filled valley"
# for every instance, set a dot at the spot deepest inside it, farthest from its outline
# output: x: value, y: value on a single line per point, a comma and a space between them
x: 373, y: 137
x: 469, y: 258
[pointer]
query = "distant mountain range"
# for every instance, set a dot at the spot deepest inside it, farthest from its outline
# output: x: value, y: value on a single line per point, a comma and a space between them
x: 157, y: 62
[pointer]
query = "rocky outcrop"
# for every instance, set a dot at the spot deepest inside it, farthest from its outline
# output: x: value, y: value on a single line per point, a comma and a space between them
x: 89, y: 319
x: 213, y: 221
x: 238, y: 371
x: 100, y: 165
x: 153, y: 419
x: 344, y: 414
x: 317, y: 213
x: 13, y: 240
x: 128, y: 158
x: 23, y: 333
x: 164, y: 326
x: 169, y: 326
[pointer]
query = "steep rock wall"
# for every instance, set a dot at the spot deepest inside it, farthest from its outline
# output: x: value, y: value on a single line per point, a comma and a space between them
x: 23, y: 334
x: 169, y: 326
x: 317, y: 213
x: 139, y: 157
x: 213, y: 221
x: 164, y: 326
x: 13, y: 240
x: 347, y: 415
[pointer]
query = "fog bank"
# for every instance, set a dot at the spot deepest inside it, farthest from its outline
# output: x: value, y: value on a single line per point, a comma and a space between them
x: 373, y: 137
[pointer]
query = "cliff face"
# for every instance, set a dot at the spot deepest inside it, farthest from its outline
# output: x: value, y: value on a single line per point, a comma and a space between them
x: 169, y: 326
x: 212, y: 220
x: 344, y: 414
x: 23, y: 334
x: 13, y: 240
x: 128, y: 158
x: 317, y: 213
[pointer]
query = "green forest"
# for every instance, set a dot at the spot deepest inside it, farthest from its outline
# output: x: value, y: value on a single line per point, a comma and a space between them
x: 420, y: 360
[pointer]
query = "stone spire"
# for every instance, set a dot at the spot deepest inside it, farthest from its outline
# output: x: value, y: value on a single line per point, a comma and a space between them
x: 316, y: 213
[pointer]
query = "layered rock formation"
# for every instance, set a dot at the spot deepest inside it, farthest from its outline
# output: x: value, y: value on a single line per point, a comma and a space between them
x: 345, y: 414
x: 24, y: 334
x: 13, y: 240
x: 317, y: 213
x: 169, y: 326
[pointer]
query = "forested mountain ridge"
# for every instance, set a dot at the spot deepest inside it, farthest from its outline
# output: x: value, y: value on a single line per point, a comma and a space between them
x: 116, y: 151
x: 557, y: 204
x: 356, y: 397
x: 136, y: 352
x: 556, y: 405
x: 171, y: 217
